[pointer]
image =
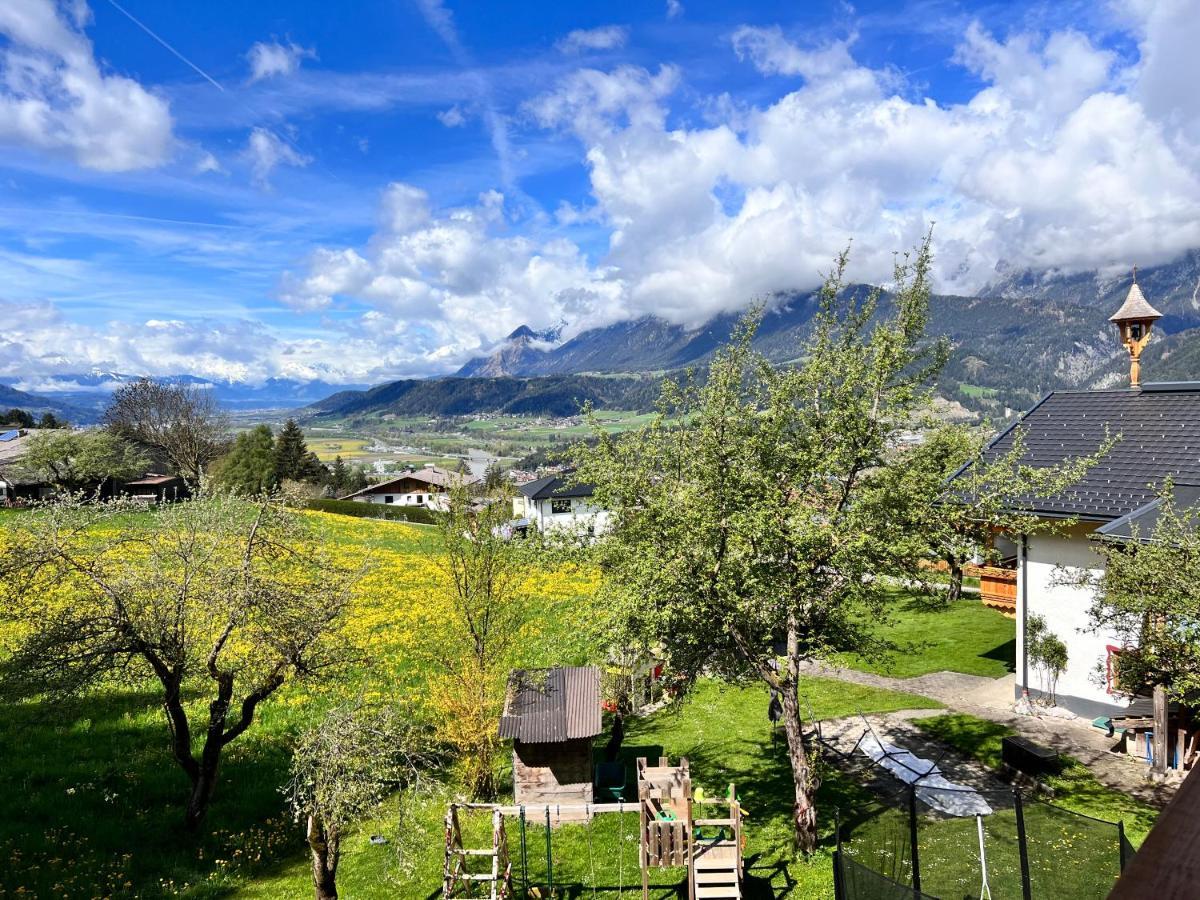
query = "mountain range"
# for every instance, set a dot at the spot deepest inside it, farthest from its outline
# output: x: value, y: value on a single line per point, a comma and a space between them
x: 82, y: 396
x: 1021, y: 336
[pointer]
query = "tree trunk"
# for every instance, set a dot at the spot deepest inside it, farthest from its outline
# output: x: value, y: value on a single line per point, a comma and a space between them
x: 198, y: 802
x: 205, y: 780
x: 804, y: 810
x: 956, y: 579
x: 324, y: 848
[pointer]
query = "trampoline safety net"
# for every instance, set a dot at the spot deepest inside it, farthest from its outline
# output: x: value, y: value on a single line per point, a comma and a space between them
x: 1025, y: 847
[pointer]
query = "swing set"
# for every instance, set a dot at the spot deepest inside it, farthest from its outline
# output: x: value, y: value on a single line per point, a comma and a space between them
x: 670, y: 834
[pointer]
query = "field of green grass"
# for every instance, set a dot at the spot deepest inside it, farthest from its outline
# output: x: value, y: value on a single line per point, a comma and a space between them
x: 977, y: 391
x: 503, y: 435
x: 90, y: 801
x: 964, y: 636
x: 349, y: 449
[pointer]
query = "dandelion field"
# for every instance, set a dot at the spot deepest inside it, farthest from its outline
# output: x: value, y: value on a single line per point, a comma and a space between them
x: 91, y: 801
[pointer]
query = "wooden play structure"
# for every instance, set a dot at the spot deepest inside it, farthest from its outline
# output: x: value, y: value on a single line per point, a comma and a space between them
x: 457, y: 877
x: 674, y: 831
x: 1183, y: 738
x: 552, y: 717
x: 672, y: 835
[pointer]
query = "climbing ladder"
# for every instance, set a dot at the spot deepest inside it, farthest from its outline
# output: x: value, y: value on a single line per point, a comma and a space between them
x: 710, y: 848
x: 457, y: 878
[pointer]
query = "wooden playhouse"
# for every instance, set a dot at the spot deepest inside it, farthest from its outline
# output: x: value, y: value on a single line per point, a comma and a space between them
x: 552, y: 716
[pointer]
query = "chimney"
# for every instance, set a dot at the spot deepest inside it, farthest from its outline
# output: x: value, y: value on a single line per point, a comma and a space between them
x: 1134, y: 320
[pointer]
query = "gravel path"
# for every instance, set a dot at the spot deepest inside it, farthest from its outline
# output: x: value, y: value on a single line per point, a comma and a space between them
x: 992, y: 698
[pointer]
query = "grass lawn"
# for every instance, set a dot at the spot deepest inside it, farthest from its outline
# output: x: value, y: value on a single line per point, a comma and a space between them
x: 90, y: 801
x: 1075, y: 788
x: 977, y: 391
x: 90, y: 805
x: 348, y: 448
x: 963, y: 637
x: 724, y: 733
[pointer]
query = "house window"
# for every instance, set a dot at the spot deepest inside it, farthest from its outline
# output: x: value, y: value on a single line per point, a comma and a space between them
x: 1110, y: 668
x: 558, y: 507
x: 420, y: 499
x: 389, y: 499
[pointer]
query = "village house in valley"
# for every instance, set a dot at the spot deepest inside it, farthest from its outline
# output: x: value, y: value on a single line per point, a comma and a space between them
x: 427, y: 486
x: 16, y: 483
x: 1156, y: 428
x: 553, y: 502
x: 20, y: 485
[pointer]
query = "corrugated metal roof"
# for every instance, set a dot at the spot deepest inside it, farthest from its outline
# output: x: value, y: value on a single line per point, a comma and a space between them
x: 1159, y: 433
x: 545, y: 706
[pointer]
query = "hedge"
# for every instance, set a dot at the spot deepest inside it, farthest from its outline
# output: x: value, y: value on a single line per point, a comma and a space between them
x: 419, y: 514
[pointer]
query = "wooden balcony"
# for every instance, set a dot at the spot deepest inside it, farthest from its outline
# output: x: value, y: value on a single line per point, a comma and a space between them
x: 1167, y: 867
x: 997, y: 587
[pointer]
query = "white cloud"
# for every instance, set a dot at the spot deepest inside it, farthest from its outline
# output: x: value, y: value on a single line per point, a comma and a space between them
x: 54, y: 96
x: 265, y: 150
x: 452, y: 117
x: 270, y: 60
x: 208, y: 163
x: 1056, y: 162
x: 773, y: 54
x: 607, y: 37
x: 1065, y: 157
x: 674, y: 9
x: 442, y: 285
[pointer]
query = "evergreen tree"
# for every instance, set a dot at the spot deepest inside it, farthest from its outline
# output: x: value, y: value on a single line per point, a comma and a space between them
x: 50, y: 420
x: 493, y: 475
x: 293, y: 460
x: 290, y: 451
x: 249, y: 468
x: 18, y: 418
x: 357, y: 480
x: 339, y: 476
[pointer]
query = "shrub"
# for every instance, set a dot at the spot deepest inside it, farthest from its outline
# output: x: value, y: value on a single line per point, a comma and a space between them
x: 419, y: 514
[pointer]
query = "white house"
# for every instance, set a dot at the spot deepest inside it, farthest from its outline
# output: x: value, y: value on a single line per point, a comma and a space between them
x: 1158, y: 426
x: 552, y: 503
x: 427, y: 486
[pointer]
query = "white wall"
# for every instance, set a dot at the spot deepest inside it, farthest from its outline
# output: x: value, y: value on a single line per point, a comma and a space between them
x: 582, y: 515
x: 426, y: 498
x: 1065, y: 609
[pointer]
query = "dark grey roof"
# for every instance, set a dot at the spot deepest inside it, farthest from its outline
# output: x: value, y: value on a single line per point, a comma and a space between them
x: 1140, y: 523
x: 554, y: 486
x: 1159, y: 429
x: 546, y: 706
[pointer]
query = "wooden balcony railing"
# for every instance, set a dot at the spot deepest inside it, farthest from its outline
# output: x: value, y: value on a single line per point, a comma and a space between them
x: 997, y: 587
x: 1167, y: 867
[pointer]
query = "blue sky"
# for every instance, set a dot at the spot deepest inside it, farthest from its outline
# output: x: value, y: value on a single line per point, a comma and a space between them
x: 379, y: 189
